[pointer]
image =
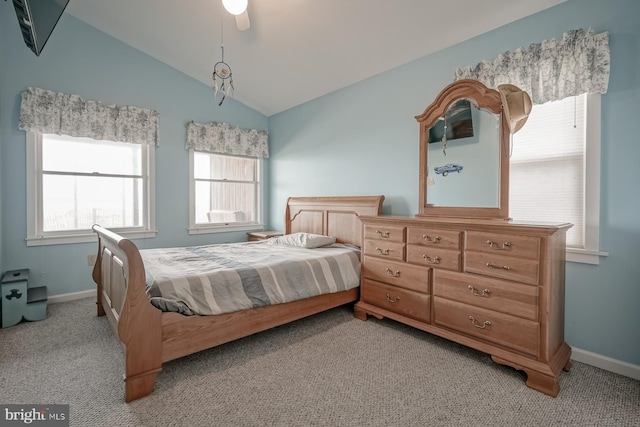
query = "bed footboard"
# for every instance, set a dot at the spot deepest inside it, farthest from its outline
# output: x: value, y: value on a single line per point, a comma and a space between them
x: 121, y: 296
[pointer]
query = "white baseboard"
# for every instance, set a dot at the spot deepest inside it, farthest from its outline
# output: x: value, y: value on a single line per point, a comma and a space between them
x: 608, y: 364
x: 71, y: 296
x: 593, y: 359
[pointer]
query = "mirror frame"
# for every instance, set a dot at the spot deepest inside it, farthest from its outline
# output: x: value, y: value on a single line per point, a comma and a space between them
x: 483, y: 98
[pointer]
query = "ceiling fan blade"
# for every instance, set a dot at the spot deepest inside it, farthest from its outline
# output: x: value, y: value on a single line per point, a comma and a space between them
x: 242, y: 21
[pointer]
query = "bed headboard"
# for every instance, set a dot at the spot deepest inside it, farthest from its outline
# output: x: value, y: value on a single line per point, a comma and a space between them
x: 332, y: 216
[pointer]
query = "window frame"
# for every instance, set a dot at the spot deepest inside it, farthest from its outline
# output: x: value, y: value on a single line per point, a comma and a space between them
x: 590, y: 253
x: 36, y: 236
x: 206, y: 228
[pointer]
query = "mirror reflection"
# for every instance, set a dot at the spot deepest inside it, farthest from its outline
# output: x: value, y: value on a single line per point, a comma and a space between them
x: 463, y: 167
x: 465, y: 173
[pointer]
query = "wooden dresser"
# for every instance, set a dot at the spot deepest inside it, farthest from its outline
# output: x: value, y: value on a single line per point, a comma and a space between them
x: 493, y: 285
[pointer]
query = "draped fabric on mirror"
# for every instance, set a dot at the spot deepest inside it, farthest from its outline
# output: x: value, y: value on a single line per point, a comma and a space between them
x: 222, y: 138
x: 551, y: 70
x: 46, y: 111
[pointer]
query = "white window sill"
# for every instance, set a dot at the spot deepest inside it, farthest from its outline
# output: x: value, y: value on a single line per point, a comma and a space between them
x: 88, y: 237
x: 207, y: 229
x: 584, y: 256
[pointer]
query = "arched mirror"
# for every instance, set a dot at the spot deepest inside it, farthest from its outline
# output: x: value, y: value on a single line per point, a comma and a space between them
x: 464, y: 162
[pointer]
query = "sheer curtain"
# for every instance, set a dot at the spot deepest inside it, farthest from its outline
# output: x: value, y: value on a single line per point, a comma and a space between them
x: 46, y: 111
x: 222, y: 138
x: 551, y: 70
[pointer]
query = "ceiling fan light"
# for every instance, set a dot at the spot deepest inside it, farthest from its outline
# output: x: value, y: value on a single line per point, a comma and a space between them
x: 235, y: 7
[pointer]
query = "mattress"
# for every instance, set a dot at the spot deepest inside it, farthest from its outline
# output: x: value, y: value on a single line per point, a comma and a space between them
x: 222, y: 278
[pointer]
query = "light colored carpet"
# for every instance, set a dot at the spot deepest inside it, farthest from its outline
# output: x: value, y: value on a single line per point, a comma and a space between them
x: 326, y: 370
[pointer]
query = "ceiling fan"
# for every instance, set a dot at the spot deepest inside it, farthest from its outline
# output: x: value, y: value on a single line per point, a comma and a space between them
x: 239, y: 9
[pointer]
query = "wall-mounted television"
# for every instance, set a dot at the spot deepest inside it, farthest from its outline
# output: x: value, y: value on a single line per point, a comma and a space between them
x: 37, y: 18
x: 458, y: 120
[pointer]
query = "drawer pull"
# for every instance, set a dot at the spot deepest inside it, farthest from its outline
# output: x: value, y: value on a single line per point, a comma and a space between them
x: 494, y: 245
x: 484, y: 324
x: 382, y: 251
x: 429, y: 239
x: 392, y: 300
x: 384, y: 235
x: 504, y: 267
x: 485, y: 292
x: 429, y: 260
x: 392, y: 273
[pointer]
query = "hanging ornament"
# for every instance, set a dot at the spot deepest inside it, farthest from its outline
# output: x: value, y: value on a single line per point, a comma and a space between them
x: 222, y: 79
x: 444, y: 137
x: 222, y: 75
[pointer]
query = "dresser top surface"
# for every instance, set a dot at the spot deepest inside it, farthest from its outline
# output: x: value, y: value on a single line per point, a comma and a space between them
x: 469, y: 224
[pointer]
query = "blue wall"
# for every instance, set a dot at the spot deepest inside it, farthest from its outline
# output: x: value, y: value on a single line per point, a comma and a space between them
x: 3, y: 124
x: 360, y: 140
x: 364, y: 140
x: 81, y: 60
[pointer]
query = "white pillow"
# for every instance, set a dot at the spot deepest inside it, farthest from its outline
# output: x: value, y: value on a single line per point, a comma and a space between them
x: 303, y: 240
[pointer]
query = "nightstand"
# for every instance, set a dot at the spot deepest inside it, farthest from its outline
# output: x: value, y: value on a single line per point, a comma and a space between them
x: 255, y: 236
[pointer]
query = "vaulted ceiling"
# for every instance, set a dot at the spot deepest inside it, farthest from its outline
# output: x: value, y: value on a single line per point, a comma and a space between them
x: 297, y: 50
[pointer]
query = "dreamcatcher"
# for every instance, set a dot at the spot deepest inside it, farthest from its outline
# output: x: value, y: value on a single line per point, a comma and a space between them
x: 222, y: 75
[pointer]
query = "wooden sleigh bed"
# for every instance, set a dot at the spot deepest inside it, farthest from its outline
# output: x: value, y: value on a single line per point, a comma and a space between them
x: 150, y: 337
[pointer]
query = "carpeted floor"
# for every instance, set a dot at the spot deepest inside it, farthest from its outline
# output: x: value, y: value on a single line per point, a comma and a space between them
x: 327, y: 370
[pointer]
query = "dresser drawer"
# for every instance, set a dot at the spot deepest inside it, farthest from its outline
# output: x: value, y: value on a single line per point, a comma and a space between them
x: 509, y: 331
x: 441, y: 239
x: 505, y: 267
x: 391, y: 233
x: 402, y: 301
x: 433, y: 257
x: 493, y: 294
x: 384, y: 248
x: 401, y: 274
x: 504, y: 244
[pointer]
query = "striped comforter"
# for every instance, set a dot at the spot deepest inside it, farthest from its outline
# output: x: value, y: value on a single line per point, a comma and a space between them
x: 222, y: 278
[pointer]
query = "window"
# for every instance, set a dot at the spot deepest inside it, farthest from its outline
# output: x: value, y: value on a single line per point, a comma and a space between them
x: 225, y: 192
x: 74, y: 183
x: 555, y: 171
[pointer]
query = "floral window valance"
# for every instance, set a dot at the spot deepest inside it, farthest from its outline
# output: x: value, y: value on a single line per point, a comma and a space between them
x: 551, y: 70
x: 46, y: 111
x: 222, y: 138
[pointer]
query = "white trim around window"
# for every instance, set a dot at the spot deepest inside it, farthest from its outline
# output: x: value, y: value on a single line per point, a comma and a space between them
x: 555, y: 172
x: 591, y: 253
x: 206, y: 228
x: 35, y: 234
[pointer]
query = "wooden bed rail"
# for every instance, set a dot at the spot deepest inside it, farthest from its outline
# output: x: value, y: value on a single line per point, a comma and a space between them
x: 121, y: 295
